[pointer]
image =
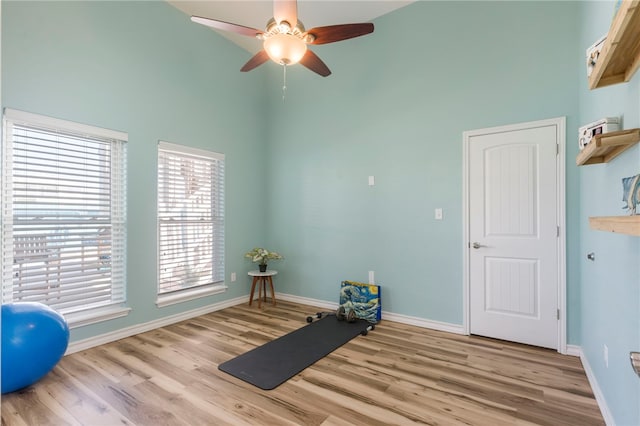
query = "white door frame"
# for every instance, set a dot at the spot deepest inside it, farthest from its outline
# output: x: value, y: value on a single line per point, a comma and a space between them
x: 560, y: 123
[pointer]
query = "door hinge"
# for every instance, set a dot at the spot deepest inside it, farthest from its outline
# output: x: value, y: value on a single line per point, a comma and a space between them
x: 558, y: 231
x: 557, y: 149
x: 558, y: 314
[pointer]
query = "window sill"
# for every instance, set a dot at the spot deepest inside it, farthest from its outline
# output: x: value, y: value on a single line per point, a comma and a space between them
x: 189, y: 294
x: 81, y: 319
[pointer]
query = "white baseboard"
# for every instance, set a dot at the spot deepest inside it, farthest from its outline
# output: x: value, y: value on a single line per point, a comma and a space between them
x: 424, y: 323
x: 403, y: 319
x: 308, y: 301
x: 602, y: 403
x: 102, y: 339
x: 574, y: 350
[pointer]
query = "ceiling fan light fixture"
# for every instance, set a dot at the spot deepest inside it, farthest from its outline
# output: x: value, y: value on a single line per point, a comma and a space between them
x: 284, y: 27
x: 285, y: 39
x: 285, y: 49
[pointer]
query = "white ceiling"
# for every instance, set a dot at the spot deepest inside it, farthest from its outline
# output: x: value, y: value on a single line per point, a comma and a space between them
x: 313, y: 13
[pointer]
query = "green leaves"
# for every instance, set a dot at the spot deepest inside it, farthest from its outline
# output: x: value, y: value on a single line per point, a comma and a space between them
x: 262, y: 255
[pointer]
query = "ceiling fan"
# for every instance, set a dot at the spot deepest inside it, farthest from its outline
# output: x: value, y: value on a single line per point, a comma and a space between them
x: 285, y: 39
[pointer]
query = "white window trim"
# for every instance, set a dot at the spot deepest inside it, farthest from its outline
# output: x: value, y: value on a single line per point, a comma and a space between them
x: 91, y: 315
x: 81, y: 319
x: 23, y: 117
x: 180, y: 296
x: 182, y: 149
x: 168, y: 299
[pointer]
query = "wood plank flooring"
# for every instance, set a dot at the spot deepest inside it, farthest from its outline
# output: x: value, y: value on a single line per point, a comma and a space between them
x: 397, y: 374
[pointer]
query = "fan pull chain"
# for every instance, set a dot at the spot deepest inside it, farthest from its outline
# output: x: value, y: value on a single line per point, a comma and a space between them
x: 284, y: 82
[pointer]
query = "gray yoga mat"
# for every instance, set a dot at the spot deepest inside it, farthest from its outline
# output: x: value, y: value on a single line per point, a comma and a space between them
x: 273, y: 363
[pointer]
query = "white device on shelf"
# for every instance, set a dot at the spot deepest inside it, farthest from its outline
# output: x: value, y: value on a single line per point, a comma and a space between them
x: 604, y: 125
x: 593, y: 52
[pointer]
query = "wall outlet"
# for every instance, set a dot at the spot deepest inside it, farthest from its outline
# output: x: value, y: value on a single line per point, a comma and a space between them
x: 438, y: 214
x: 372, y: 180
x: 233, y: 277
x: 605, y: 354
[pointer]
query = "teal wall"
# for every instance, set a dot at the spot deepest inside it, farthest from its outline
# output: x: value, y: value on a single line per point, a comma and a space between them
x: 395, y: 108
x: 146, y: 69
x: 610, y: 301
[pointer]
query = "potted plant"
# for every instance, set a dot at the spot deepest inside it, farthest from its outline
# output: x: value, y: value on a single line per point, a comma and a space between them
x: 261, y: 255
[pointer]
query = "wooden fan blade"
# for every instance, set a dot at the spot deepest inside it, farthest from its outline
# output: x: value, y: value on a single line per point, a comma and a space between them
x: 286, y: 10
x: 315, y: 64
x: 333, y: 33
x: 226, y: 26
x: 258, y: 59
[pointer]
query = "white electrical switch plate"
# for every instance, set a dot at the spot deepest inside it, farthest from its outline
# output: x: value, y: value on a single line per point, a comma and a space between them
x: 371, y: 277
x: 438, y: 214
x: 233, y: 277
x: 372, y: 180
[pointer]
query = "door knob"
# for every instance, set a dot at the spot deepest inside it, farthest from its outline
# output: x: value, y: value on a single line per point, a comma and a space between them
x: 477, y: 245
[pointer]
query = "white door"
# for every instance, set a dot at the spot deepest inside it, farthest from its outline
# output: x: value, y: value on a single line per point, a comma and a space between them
x: 513, y: 235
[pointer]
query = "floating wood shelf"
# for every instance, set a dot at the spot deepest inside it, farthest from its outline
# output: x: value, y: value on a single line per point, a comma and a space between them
x: 629, y: 225
x: 607, y: 146
x: 620, y: 55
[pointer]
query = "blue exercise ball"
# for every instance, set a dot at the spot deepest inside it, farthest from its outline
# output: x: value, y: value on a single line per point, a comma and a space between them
x: 34, y: 339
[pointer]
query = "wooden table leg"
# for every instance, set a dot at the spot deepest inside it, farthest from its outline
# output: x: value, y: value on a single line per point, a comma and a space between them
x: 273, y: 293
x: 253, y: 287
x: 260, y: 287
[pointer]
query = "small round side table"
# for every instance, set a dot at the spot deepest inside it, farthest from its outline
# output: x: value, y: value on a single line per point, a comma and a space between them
x: 261, y: 279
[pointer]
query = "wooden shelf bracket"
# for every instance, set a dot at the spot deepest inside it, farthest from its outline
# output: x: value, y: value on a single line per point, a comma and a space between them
x: 620, y: 55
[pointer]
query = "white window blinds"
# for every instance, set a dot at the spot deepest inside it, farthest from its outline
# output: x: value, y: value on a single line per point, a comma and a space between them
x: 64, y: 213
x: 190, y: 218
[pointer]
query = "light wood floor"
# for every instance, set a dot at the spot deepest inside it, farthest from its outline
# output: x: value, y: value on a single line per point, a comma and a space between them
x: 398, y: 374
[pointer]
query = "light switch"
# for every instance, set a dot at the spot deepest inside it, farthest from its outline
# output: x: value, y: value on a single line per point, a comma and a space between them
x: 233, y: 277
x: 372, y: 180
x: 371, y: 277
x: 438, y: 214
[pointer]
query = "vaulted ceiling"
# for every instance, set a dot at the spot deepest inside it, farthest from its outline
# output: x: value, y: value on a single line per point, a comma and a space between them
x: 313, y: 13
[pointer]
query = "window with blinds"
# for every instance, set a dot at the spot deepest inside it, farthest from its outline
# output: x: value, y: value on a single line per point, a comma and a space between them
x: 64, y: 213
x: 190, y: 221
